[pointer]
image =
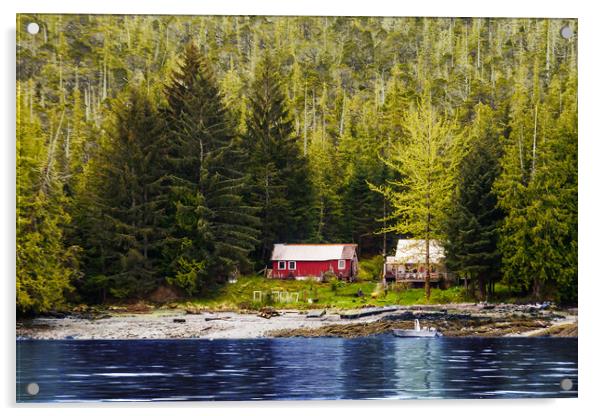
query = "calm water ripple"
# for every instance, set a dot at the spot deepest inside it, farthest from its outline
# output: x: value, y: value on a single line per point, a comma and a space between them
x: 382, y: 367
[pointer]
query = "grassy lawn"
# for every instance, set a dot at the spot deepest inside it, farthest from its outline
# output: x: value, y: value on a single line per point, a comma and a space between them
x: 340, y: 295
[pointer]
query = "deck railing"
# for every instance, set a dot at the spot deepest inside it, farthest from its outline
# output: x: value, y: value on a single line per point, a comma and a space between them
x: 418, y: 276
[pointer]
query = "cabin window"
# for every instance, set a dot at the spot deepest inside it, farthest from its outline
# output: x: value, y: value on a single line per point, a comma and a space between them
x: 281, y: 265
x: 292, y: 265
x: 341, y: 264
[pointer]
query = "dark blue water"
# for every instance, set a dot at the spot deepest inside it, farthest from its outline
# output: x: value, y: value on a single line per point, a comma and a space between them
x: 382, y: 367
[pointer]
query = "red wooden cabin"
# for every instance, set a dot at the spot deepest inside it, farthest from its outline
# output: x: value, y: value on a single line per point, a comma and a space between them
x: 307, y: 261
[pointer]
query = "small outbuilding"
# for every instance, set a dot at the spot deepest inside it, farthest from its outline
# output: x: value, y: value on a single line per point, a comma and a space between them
x: 313, y: 261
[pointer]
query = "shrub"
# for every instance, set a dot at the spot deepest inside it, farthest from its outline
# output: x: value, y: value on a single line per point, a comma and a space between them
x: 371, y: 269
x: 187, y: 275
x: 329, y: 276
x: 335, y: 285
x: 400, y: 287
x: 452, y: 295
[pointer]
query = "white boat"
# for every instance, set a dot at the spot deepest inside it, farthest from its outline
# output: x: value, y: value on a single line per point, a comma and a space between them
x: 417, y: 332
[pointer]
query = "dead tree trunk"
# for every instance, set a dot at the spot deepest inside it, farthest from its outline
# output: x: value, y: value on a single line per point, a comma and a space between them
x: 427, y: 280
x: 305, y: 122
x: 482, y: 287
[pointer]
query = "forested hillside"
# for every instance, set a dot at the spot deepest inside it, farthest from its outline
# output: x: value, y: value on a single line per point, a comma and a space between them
x: 178, y: 149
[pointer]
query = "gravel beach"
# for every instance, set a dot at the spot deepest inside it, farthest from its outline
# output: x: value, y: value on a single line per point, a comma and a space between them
x: 176, y: 324
x: 452, y: 320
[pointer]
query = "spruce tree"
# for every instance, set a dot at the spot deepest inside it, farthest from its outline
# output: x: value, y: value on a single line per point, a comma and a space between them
x: 124, y: 230
x: 213, y: 228
x: 474, y: 218
x: 362, y: 210
x: 537, y: 190
x: 279, y: 184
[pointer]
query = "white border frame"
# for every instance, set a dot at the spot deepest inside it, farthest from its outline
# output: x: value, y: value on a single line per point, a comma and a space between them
x: 590, y: 174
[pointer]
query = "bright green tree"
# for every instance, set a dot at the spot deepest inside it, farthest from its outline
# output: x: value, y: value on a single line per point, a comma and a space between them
x: 45, y: 265
x: 425, y: 162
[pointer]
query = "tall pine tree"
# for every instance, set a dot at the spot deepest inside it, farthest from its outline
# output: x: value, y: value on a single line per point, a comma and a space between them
x: 474, y: 218
x: 213, y: 228
x: 537, y: 189
x: 279, y: 174
x: 124, y: 228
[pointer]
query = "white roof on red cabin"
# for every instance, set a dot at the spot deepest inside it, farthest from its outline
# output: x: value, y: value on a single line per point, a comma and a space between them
x: 414, y: 252
x: 313, y: 252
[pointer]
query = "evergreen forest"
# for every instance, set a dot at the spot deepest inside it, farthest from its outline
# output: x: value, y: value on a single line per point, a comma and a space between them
x: 176, y: 150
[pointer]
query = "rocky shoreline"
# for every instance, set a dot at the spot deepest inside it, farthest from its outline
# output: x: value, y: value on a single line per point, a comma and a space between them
x: 483, y: 320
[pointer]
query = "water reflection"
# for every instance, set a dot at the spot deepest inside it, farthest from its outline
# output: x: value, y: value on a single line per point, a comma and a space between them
x: 325, y: 368
x: 368, y: 371
x: 417, y: 363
